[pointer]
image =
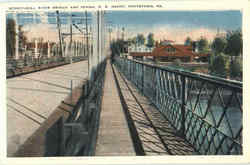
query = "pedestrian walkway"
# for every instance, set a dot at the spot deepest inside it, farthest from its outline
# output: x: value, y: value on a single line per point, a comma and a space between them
x: 156, y: 134
x: 113, y: 136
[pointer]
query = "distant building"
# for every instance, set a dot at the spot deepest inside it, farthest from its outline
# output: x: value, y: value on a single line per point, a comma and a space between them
x: 166, y: 42
x: 139, y: 48
x: 140, y: 52
x: 169, y: 52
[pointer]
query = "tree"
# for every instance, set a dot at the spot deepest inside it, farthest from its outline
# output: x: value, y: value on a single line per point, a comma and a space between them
x: 140, y: 39
x: 117, y: 47
x: 234, y: 43
x: 10, y: 37
x: 133, y: 40
x: 22, y: 36
x: 151, y: 41
x: 188, y: 41
x: 235, y: 68
x: 219, y: 44
x: 218, y: 65
x: 202, y: 44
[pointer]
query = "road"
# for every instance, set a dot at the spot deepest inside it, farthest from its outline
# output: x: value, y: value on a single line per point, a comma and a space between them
x: 32, y: 98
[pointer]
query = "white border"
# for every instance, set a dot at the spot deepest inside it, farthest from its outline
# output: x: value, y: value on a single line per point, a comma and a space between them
x: 242, y: 5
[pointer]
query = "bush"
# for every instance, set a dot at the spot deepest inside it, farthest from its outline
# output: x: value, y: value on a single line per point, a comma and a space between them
x: 219, y: 65
x: 236, y: 68
x: 177, y: 62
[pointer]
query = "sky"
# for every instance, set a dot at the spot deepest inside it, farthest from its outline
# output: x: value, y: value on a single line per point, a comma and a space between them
x: 171, y: 25
x: 177, y: 25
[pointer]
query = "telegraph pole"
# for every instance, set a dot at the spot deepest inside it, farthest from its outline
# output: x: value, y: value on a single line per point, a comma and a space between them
x: 59, y: 32
x: 87, y: 42
x: 70, y: 42
x: 17, y: 37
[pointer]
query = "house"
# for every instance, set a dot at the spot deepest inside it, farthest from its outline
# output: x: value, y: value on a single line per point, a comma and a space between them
x: 139, y: 48
x: 166, y: 42
x: 185, y: 53
x: 170, y: 52
x: 39, y: 48
x: 139, y: 52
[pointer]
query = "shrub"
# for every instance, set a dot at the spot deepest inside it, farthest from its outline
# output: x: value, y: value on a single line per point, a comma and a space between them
x: 177, y: 62
x: 235, y: 68
x: 219, y: 65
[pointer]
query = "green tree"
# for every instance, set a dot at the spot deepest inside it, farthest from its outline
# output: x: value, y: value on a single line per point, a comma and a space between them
x: 117, y: 47
x: 151, y: 41
x: 234, y: 43
x: 218, y: 65
x: 219, y: 44
x: 22, y: 36
x: 133, y: 40
x: 202, y: 44
x: 10, y: 37
x: 235, y: 68
x: 188, y: 41
x: 140, y: 39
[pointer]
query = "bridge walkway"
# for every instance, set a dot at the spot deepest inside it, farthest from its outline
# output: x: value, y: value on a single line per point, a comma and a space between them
x: 113, y: 136
x: 131, y: 125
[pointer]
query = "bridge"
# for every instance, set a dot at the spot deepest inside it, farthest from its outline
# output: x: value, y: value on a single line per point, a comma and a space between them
x: 98, y: 106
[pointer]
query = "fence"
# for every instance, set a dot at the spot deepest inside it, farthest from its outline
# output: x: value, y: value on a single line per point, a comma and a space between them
x: 205, y: 110
x: 77, y: 135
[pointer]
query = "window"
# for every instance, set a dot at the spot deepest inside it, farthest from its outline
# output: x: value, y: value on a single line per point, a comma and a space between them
x: 170, y: 50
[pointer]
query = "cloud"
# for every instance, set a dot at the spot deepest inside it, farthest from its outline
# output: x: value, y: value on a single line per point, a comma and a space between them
x: 46, y: 31
x: 177, y: 33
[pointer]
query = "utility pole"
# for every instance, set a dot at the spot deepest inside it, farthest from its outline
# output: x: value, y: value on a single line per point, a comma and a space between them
x: 17, y: 37
x: 70, y: 42
x: 59, y: 32
x: 98, y: 36
x: 110, y: 30
x: 87, y: 44
x: 123, y: 29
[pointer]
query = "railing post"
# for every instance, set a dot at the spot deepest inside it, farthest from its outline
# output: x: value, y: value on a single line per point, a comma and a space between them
x: 155, y: 84
x: 61, y: 136
x: 142, y: 75
x: 183, y: 105
x: 129, y: 63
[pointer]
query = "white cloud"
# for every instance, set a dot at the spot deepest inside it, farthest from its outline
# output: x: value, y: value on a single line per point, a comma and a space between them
x: 177, y: 33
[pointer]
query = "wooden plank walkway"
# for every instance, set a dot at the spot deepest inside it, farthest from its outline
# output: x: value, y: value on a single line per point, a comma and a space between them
x: 113, y: 136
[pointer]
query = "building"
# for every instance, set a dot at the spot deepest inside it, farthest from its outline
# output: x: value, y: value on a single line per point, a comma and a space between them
x: 171, y: 52
x: 139, y: 48
x: 166, y: 42
x: 168, y: 53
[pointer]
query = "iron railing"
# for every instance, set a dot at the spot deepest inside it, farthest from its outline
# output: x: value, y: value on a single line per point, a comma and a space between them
x: 205, y: 110
x: 77, y: 136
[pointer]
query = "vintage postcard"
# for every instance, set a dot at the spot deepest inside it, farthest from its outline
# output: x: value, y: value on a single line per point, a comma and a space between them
x: 115, y: 82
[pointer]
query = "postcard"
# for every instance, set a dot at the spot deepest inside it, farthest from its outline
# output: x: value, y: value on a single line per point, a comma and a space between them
x: 115, y: 82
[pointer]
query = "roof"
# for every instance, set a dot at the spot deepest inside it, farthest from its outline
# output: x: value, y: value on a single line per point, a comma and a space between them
x: 140, y: 54
x: 181, y: 50
x: 167, y: 41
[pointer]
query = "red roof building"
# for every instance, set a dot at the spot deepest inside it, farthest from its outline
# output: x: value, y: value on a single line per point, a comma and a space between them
x: 172, y: 52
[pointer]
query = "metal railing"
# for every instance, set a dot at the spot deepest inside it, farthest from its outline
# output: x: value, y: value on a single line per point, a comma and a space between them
x: 205, y: 110
x: 77, y: 136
